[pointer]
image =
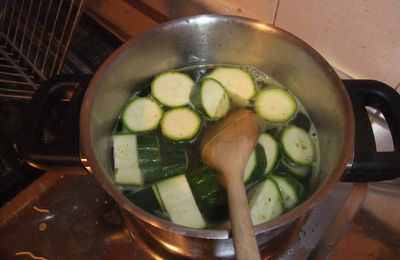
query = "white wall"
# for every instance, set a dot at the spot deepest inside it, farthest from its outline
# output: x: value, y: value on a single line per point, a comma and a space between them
x: 358, y: 37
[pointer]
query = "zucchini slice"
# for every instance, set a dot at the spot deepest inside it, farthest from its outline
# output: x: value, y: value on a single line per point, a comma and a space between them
x: 172, y: 88
x: 210, y: 98
x: 275, y: 105
x: 238, y: 83
x: 179, y: 202
x: 290, y: 189
x: 271, y: 149
x: 255, y: 166
x: 265, y: 202
x: 180, y: 124
x: 297, y: 145
x: 300, y: 171
x: 141, y: 114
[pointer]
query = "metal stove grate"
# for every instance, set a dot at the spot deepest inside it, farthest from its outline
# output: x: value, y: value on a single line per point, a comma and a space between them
x: 34, y: 39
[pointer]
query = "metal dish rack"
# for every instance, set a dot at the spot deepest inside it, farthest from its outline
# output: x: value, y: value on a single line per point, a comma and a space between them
x: 34, y: 39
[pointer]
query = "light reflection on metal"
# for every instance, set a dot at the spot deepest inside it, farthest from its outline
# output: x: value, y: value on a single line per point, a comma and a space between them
x: 85, y: 164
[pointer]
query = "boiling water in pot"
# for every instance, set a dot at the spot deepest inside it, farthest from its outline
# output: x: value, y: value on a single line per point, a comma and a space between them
x: 182, y: 189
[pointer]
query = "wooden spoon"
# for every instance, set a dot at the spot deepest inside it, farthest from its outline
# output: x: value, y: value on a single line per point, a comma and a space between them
x: 226, y: 147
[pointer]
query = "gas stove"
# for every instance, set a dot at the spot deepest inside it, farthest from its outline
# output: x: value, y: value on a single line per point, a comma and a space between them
x: 65, y: 214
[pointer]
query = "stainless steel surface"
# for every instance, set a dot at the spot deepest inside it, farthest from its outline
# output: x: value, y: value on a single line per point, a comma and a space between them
x: 214, y: 40
x: 34, y: 38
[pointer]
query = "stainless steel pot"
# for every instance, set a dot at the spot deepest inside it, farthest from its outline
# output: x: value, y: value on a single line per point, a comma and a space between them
x: 212, y: 39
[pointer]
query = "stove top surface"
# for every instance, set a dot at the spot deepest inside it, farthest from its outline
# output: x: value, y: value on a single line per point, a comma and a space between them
x: 67, y: 215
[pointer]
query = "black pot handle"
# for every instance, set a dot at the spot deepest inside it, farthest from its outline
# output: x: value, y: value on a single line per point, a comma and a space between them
x: 368, y: 164
x: 51, y: 110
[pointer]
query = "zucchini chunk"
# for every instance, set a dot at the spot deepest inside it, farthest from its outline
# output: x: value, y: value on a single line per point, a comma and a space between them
x: 141, y: 114
x: 138, y: 160
x: 126, y: 162
x: 125, y: 151
x: 271, y: 149
x: 210, y: 99
x: 297, y: 145
x: 179, y: 202
x: 149, y: 156
x: 290, y: 189
x: 275, y: 105
x: 265, y: 202
x: 180, y: 124
x: 238, y: 83
x: 172, y: 88
x: 209, y: 194
x: 255, y: 166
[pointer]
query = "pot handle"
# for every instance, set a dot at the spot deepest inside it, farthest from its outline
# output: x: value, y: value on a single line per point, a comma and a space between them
x: 49, y: 135
x: 368, y: 164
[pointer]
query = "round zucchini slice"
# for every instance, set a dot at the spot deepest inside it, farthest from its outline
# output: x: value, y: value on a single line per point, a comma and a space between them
x: 297, y: 145
x: 172, y: 89
x: 141, y: 114
x: 180, y: 124
x: 275, y: 105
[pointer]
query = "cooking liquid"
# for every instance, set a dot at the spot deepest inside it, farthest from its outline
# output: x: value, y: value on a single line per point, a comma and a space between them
x: 262, y: 80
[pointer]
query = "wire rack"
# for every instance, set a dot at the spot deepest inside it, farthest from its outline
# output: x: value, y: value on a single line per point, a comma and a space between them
x: 34, y: 39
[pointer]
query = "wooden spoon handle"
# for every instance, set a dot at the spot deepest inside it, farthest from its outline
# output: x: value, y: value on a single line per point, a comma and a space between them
x: 244, y: 239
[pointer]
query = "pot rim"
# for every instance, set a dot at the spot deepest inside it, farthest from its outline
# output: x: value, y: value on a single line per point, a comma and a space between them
x: 300, y: 210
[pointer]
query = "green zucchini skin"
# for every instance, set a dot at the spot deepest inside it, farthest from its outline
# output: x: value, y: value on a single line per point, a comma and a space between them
x: 173, y: 163
x: 209, y: 194
x: 198, y: 99
x: 149, y: 155
x: 266, y: 202
x: 156, y: 161
x: 271, y: 150
x: 238, y: 83
x: 291, y: 190
x: 147, y: 200
x: 261, y: 163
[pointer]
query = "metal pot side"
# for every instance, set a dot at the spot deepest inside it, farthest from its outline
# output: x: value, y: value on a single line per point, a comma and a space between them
x: 213, y: 39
